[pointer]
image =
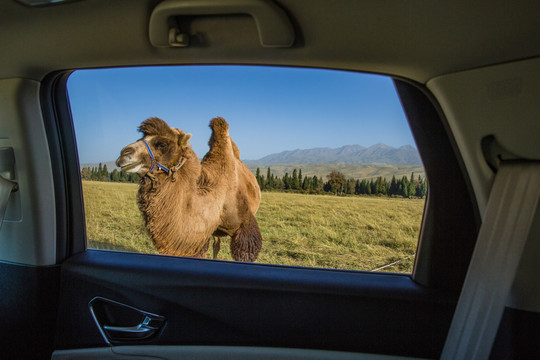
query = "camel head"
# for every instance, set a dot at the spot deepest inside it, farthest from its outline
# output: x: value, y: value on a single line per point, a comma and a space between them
x: 161, y: 149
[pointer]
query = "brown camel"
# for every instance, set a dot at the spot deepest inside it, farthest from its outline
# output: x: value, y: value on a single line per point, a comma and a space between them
x: 184, y: 202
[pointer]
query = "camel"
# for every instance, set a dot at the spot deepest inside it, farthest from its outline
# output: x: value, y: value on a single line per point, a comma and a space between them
x: 184, y: 201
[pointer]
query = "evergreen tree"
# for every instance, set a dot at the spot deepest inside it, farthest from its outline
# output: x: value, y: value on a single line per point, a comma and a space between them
x: 382, y: 186
x: 278, y: 184
x: 315, y: 184
x: 286, y: 182
x: 269, y: 180
x: 104, y: 173
x: 361, y: 190
x: 404, y: 187
x: 306, y: 184
x: 260, y: 179
x: 357, y: 187
x: 373, y: 187
x: 393, y: 189
x: 115, y: 175
x: 412, y: 186
x: 294, y: 180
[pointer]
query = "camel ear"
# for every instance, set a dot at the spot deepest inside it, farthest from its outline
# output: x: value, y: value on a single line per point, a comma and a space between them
x: 183, y: 139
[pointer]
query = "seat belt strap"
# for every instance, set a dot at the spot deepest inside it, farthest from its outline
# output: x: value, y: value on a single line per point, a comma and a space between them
x: 509, y: 214
x: 6, y: 188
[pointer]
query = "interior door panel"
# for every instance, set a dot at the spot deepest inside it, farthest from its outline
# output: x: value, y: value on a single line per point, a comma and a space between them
x: 212, y: 353
x: 209, y: 302
x: 28, y: 308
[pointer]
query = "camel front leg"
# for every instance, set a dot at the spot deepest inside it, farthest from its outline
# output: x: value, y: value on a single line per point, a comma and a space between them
x: 216, y: 246
x: 202, y: 252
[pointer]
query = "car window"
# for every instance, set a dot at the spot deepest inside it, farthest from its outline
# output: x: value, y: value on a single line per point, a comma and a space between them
x: 301, y: 167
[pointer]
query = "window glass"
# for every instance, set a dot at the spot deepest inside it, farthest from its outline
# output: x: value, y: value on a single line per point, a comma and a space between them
x: 342, y: 182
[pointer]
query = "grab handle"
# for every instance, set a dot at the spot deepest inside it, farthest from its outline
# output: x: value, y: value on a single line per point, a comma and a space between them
x: 273, y: 24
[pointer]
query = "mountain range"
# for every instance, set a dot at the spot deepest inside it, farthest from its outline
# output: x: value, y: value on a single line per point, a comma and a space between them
x: 379, y: 154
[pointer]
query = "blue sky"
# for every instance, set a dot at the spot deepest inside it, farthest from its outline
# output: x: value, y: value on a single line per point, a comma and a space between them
x: 268, y: 109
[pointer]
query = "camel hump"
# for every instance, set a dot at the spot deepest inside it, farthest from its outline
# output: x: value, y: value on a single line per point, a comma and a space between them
x: 219, y: 126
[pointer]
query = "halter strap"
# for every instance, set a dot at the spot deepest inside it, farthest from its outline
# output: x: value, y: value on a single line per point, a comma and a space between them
x: 155, y: 163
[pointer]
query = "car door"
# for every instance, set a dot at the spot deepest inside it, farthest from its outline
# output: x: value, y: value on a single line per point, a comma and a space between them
x: 109, y: 300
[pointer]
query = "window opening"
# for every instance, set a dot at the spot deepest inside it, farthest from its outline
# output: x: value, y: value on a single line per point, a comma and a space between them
x: 342, y: 184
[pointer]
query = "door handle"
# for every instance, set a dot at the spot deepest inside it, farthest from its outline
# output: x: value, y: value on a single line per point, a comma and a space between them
x: 274, y: 26
x: 110, y: 317
x: 144, y: 330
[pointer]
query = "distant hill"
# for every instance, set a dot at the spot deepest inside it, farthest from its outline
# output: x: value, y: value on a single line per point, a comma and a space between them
x: 379, y: 154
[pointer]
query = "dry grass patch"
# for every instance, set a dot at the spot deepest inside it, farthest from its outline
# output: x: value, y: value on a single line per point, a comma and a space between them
x: 360, y: 233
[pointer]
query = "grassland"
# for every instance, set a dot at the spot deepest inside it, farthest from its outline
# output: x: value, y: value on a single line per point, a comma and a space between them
x: 360, y: 233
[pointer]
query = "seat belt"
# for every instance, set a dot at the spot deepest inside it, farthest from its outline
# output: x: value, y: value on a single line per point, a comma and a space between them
x: 509, y: 214
x: 6, y: 188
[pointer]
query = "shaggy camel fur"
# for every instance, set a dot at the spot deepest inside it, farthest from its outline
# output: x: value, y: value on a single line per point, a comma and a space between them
x: 184, y: 202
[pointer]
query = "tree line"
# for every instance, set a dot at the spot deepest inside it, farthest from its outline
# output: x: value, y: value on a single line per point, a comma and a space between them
x: 336, y: 182
x: 101, y: 173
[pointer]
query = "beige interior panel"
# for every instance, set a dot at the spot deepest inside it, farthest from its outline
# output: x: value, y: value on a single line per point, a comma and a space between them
x: 499, y: 100
x: 29, y: 237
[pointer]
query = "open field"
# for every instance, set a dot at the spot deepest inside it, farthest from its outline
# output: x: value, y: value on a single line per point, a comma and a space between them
x: 360, y: 233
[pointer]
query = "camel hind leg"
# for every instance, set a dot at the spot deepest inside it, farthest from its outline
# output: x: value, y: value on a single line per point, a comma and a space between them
x: 246, y: 243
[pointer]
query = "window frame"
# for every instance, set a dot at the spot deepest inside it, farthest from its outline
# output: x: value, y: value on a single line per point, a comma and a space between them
x: 443, y: 250
x: 446, y: 242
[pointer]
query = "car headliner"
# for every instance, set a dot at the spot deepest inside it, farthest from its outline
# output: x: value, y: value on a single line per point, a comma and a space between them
x: 418, y: 40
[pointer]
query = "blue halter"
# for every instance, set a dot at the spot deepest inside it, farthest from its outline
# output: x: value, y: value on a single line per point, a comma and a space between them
x: 155, y: 163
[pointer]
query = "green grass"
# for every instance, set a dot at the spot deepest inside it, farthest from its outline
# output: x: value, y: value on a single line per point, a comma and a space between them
x: 360, y: 233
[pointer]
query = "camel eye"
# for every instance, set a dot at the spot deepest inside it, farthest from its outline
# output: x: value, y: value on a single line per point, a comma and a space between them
x: 162, y: 146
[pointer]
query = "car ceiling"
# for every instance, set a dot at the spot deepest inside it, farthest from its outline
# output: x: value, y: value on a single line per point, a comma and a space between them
x: 418, y: 40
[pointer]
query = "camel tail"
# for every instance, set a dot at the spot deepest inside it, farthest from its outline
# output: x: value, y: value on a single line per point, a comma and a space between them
x: 247, y: 242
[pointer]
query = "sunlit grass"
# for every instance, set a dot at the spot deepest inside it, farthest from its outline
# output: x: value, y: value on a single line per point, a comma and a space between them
x: 360, y: 233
